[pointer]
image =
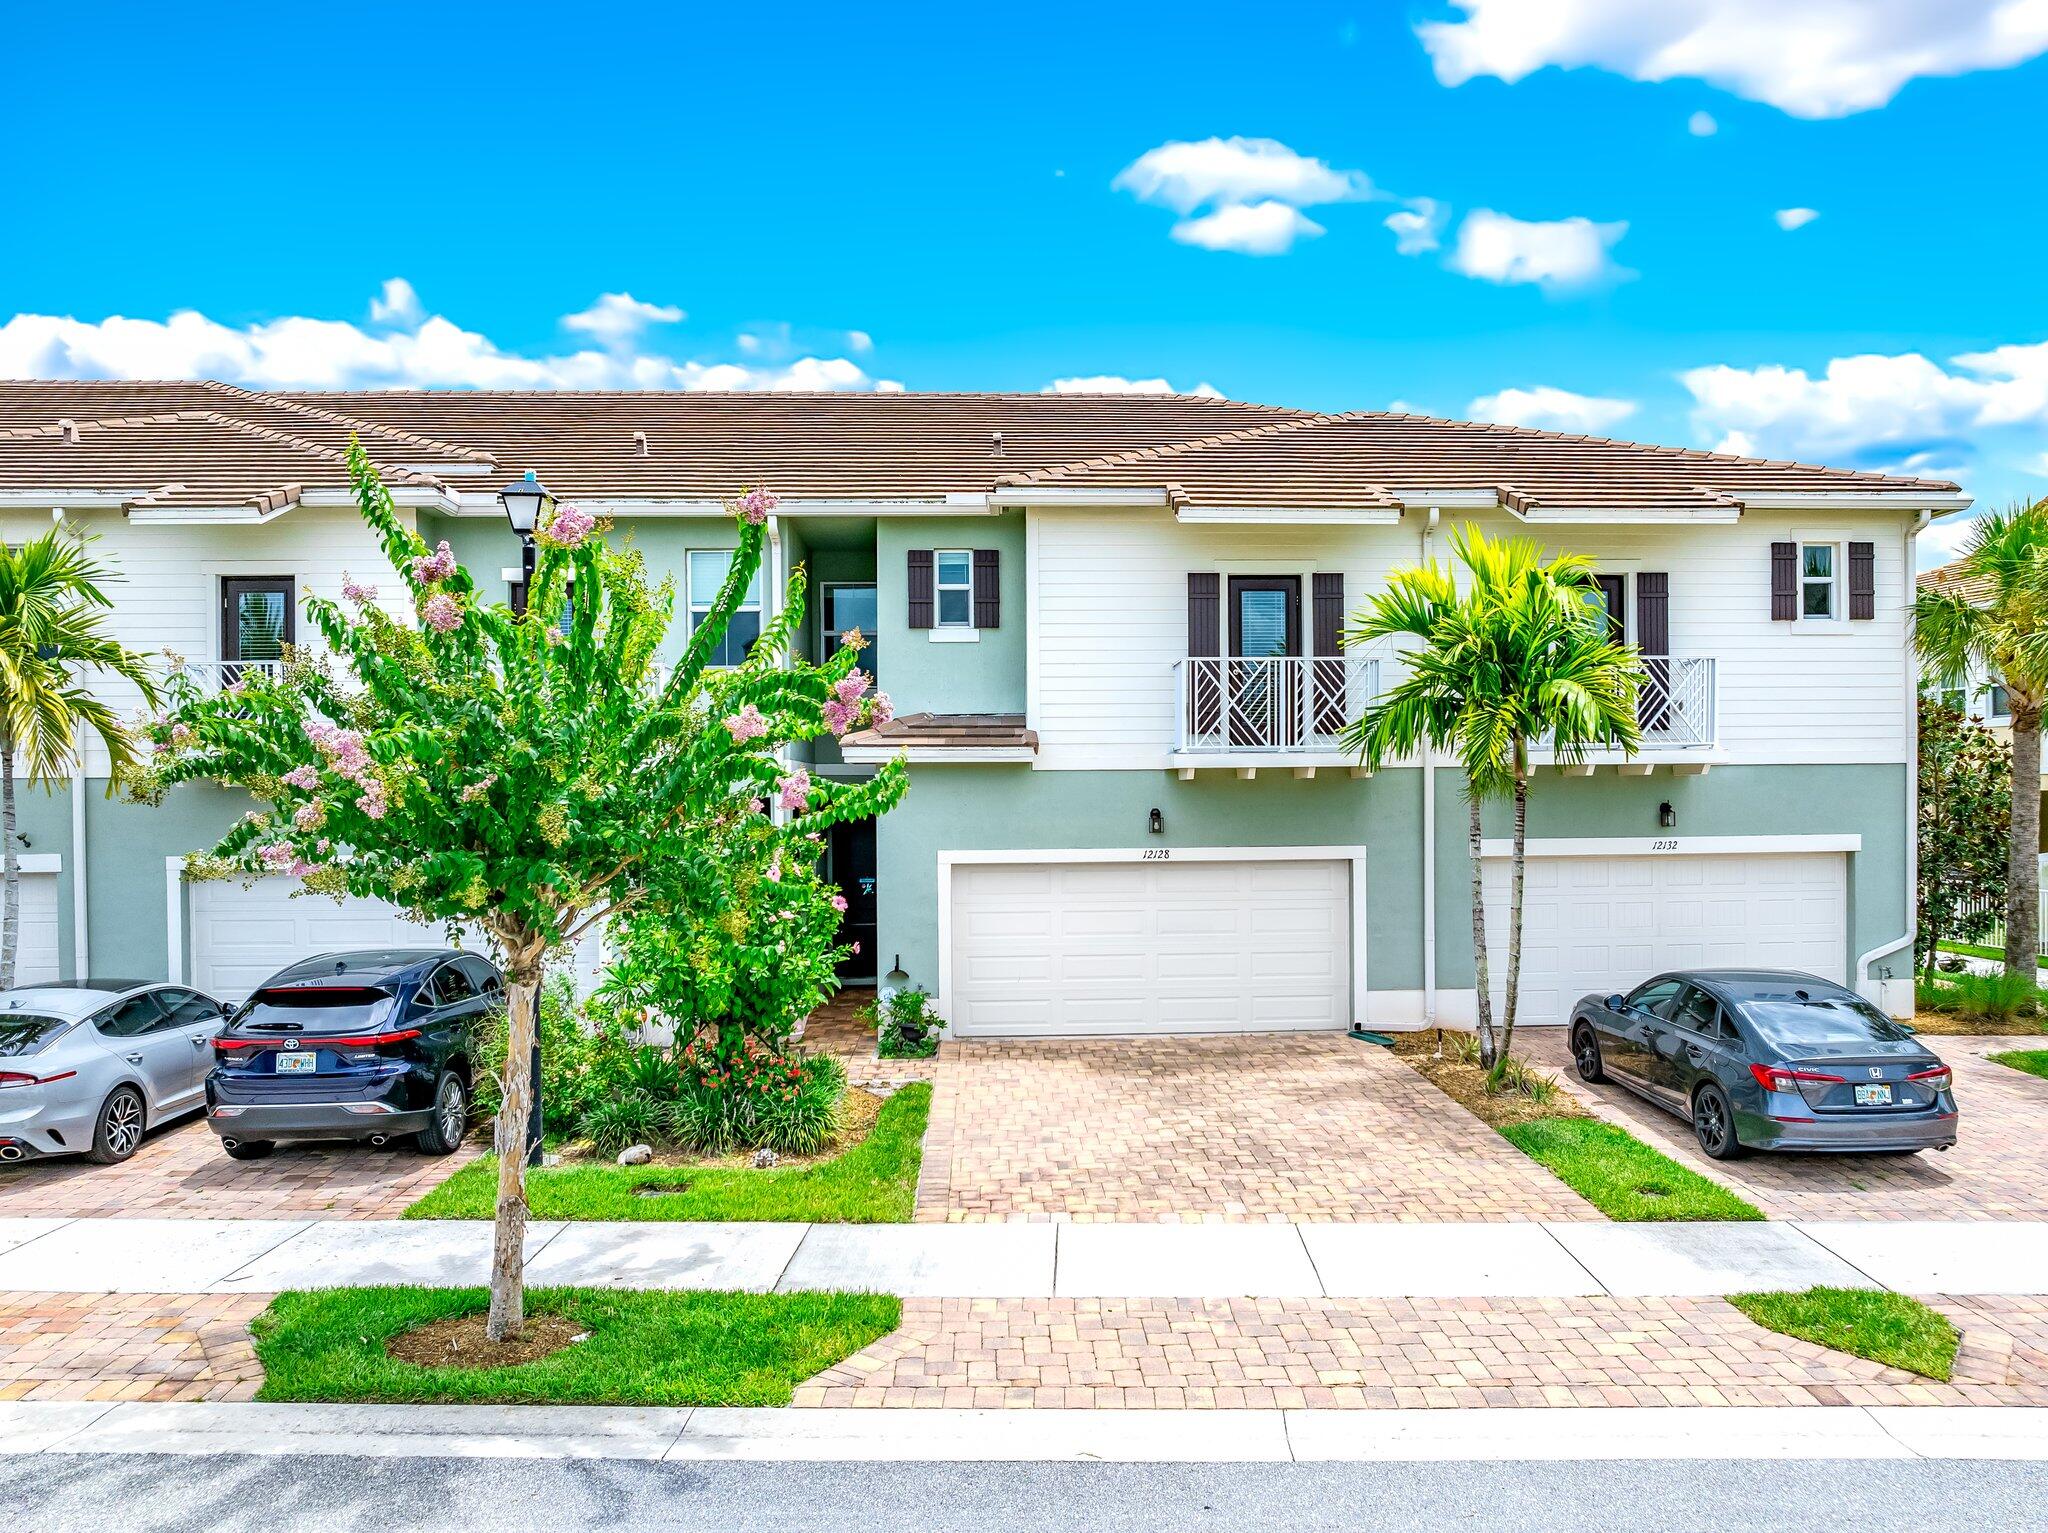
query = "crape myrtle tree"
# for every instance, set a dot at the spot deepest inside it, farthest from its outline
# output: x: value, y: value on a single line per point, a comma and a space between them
x: 1965, y: 828
x: 533, y: 775
x: 1520, y: 656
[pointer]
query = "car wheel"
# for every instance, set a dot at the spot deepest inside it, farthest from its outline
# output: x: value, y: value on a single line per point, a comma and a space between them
x: 443, y: 1136
x: 1586, y: 1054
x: 1713, y: 1124
x: 250, y: 1149
x: 117, y: 1134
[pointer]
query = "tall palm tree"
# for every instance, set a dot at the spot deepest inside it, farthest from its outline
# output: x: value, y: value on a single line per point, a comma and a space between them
x: 1992, y: 618
x: 1519, y: 656
x: 51, y: 616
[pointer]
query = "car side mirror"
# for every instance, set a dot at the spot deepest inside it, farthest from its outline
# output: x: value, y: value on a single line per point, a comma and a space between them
x: 1617, y: 1003
x: 227, y: 1008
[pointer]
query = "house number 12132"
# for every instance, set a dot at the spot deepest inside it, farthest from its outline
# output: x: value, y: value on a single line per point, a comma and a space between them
x: 1664, y: 846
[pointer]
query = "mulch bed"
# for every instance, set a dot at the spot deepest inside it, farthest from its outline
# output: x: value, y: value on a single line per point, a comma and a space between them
x: 1465, y: 1083
x: 462, y: 1342
x: 858, y: 1110
x: 1957, y: 1024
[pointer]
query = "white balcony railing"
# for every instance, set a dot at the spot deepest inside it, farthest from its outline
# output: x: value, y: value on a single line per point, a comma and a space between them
x: 1279, y: 704
x: 214, y: 676
x: 1675, y: 702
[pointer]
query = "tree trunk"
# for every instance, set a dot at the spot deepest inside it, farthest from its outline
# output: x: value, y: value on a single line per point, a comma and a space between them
x: 1487, y: 1052
x: 2022, y: 875
x: 10, y: 871
x: 1507, y: 1031
x: 508, y: 1248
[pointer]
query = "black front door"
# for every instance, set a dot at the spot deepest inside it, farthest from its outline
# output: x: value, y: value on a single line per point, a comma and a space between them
x: 850, y: 863
x: 258, y: 618
x: 1263, y: 674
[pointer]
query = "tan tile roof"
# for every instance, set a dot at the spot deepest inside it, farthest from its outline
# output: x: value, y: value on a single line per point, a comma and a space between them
x: 949, y: 731
x: 1951, y: 578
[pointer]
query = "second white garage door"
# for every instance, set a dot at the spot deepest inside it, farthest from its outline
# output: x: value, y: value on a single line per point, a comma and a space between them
x: 242, y: 936
x: 1597, y: 924
x: 1109, y: 948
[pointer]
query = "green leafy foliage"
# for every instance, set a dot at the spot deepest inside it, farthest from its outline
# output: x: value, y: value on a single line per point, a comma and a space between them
x: 1998, y: 999
x: 906, y: 1024
x: 1965, y: 828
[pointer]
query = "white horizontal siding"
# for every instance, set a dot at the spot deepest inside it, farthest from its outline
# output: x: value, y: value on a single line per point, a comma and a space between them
x: 1110, y: 596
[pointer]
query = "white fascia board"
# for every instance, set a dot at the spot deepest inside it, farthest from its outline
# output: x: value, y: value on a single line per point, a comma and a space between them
x: 1669, y: 846
x: 1054, y: 496
x: 936, y: 755
x: 1858, y: 500
x: 1448, y: 500
x: 1622, y: 515
x: 1272, y: 761
x: 72, y: 500
x: 416, y: 495
x: 1304, y: 516
x: 473, y: 503
x: 208, y: 516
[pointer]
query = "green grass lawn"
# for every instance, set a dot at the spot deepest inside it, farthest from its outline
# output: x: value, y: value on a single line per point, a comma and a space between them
x: 1889, y: 1328
x: 1979, y: 950
x: 644, y: 1348
x: 2033, y: 1061
x: 874, y: 1182
x: 1620, y: 1175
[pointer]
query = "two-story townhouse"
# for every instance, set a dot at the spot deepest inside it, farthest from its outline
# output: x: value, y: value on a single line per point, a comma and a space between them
x: 1111, y: 629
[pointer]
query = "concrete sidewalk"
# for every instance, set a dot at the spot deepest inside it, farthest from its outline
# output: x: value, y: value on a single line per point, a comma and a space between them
x: 587, y: 1432
x: 1025, y: 1261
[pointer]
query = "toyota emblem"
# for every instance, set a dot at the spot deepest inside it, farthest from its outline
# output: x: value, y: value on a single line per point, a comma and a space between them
x: 292, y: 1043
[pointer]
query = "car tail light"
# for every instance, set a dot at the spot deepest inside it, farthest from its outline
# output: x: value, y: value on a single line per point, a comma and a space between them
x: 1938, y: 1079
x: 1777, y: 1078
x: 16, y: 1078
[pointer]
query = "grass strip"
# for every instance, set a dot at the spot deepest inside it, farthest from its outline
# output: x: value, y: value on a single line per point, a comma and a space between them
x: 642, y: 1347
x: 1620, y: 1175
x: 873, y: 1182
x: 2033, y: 1061
x: 1891, y: 1328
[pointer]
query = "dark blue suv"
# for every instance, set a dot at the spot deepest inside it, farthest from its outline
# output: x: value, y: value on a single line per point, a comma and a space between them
x: 373, y: 1045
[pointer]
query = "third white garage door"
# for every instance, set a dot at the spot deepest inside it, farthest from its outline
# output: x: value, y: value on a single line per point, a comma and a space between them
x: 1598, y: 924
x: 1109, y: 948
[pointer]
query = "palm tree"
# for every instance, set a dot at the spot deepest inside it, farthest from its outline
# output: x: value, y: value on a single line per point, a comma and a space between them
x: 51, y: 611
x: 1520, y: 655
x: 1992, y: 618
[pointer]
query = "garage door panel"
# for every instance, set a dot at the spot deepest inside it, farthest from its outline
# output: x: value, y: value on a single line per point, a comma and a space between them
x: 37, y: 957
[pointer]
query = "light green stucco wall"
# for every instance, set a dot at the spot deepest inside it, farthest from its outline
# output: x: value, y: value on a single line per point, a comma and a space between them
x: 986, y: 676
x: 126, y: 848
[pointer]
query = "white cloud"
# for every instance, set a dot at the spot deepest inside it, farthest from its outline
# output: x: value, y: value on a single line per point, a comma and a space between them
x: 1259, y: 228
x: 397, y: 305
x: 1111, y: 383
x: 1943, y: 540
x: 1702, y: 125
x: 860, y: 341
x: 1567, y: 253
x: 617, y: 319
x: 1551, y: 409
x: 1810, y: 58
x: 1418, y: 228
x: 1795, y: 218
x: 301, y: 352
x: 1220, y: 172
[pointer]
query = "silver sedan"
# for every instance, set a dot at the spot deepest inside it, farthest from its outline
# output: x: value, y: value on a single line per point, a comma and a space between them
x: 87, y: 1067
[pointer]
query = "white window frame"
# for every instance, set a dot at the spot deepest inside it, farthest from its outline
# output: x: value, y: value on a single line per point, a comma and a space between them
x: 1833, y: 580
x: 1992, y: 713
x: 758, y: 605
x: 940, y: 587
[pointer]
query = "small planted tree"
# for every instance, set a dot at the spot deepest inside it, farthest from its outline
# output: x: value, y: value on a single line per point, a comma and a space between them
x: 532, y: 775
x: 1965, y: 828
x: 1518, y: 657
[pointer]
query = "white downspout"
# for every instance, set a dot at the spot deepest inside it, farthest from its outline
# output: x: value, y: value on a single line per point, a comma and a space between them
x: 81, y: 947
x: 1428, y: 846
x: 1858, y: 980
x: 772, y: 587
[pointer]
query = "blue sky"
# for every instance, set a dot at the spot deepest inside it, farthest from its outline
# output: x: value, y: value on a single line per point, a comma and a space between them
x: 1002, y: 197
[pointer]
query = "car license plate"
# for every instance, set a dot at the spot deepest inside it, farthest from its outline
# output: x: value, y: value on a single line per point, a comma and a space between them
x: 1874, y: 1096
x: 306, y: 1064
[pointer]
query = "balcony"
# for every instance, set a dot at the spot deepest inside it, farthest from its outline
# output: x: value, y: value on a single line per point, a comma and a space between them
x: 1675, y: 702
x: 212, y: 677
x: 1285, y: 705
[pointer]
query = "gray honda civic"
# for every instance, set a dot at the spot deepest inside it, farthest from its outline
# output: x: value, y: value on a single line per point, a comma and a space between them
x: 1769, y: 1059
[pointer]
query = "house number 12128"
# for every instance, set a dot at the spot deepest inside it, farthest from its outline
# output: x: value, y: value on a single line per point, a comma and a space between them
x: 1154, y: 854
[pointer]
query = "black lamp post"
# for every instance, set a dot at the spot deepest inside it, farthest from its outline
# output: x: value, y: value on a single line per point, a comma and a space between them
x: 525, y: 501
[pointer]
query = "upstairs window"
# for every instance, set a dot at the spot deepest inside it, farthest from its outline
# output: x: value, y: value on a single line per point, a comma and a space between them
x: 1997, y: 706
x: 708, y: 568
x: 848, y: 607
x: 1817, y: 580
x: 953, y: 584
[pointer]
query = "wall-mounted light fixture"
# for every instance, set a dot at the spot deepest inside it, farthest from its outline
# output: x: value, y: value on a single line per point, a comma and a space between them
x: 1667, y: 816
x: 1156, y: 823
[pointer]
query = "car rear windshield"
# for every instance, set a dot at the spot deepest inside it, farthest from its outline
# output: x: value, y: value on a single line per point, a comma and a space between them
x: 1821, y: 1020
x: 26, y: 1033
x: 334, y: 1009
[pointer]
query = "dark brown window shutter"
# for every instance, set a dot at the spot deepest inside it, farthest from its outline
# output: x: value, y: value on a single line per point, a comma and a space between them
x: 988, y: 583
x: 920, y: 588
x: 1784, y: 582
x: 1862, y: 580
x: 1653, y: 638
x: 1326, y: 643
x: 1204, y: 701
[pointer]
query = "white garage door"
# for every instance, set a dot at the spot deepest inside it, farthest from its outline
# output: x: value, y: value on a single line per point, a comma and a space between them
x: 1149, y: 947
x: 240, y: 937
x: 1597, y: 924
x: 35, y: 955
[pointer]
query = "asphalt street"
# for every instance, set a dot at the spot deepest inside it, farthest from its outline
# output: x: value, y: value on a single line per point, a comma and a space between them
x: 57, y: 1493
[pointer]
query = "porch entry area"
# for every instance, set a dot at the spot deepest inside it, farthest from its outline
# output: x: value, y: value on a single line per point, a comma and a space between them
x: 1151, y: 941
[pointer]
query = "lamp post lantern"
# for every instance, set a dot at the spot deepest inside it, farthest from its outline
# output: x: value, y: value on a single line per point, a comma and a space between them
x: 526, y: 500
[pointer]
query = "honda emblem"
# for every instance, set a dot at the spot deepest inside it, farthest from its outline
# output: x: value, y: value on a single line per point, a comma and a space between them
x: 1876, y: 1072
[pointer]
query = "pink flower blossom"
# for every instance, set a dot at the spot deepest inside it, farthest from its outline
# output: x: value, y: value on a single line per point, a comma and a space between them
x: 851, y: 687
x: 839, y: 903
x: 571, y: 525
x: 309, y: 815
x: 794, y: 791
x: 276, y: 856
x: 180, y: 735
x: 303, y: 777
x: 300, y: 867
x: 360, y: 594
x: 757, y: 805
x: 342, y: 747
x: 856, y: 948
x: 838, y: 716
x: 880, y: 710
x: 373, y: 802
x: 438, y: 565
x: 747, y: 724
x: 442, y: 612
x: 755, y: 505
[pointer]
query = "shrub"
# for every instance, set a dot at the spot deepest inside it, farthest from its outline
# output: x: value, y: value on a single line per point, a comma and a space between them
x: 1986, y: 997
x: 787, y: 1103
x: 906, y: 1026
x: 629, y: 1119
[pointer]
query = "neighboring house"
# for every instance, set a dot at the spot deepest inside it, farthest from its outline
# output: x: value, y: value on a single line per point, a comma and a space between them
x: 1110, y: 626
x: 1979, y: 695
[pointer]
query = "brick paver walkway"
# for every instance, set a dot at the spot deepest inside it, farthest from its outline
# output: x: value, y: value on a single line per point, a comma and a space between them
x: 182, y: 1173
x: 1414, y: 1353
x: 1998, y: 1169
x: 1243, y: 1128
x: 145, y: 1346
x: 835, y: 1029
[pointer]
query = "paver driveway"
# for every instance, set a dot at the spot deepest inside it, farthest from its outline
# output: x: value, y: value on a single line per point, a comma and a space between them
x: 1998, y: 1169
x: 181, y: 1172
x: 1240, y: 1128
